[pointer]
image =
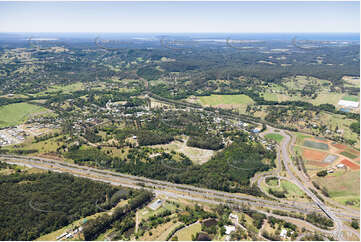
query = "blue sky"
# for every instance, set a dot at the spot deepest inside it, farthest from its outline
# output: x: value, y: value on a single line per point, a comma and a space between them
x: 225, y: 17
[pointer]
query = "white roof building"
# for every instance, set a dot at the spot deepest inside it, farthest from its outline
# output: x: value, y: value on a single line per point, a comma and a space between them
x: 154, y: 206
x: 229, y: 229
x: 349, y: 104
x: 283, y: 233
x: 340, y: 165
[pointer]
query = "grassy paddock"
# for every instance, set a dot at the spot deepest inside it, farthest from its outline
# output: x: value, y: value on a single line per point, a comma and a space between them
x: 186, y: 233
x: 225, y: 99
x: 16, y: 113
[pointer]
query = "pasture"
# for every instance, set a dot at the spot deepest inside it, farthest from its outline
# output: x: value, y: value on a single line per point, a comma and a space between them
x: 214, y: 100
x: 343, y: 187
x: 17, y: 113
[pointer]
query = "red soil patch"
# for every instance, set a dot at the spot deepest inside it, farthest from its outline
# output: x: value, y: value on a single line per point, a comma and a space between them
x: 340, y: 146
x: 348, y: 163
x: 314, y: 155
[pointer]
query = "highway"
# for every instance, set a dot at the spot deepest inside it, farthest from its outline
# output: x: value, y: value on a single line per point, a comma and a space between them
x: 285, y: 157
x: 203, y: 194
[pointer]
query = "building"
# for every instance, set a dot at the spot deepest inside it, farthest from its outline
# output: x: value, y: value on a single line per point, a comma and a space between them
x: 229, y: 229
x: 154, y: 206
x: 233, y: 216
x: 283, y: 233
x: 348, y: 104
x: 340, y: 165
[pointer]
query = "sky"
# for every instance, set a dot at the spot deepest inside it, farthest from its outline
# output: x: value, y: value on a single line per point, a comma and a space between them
x: 182, y: 17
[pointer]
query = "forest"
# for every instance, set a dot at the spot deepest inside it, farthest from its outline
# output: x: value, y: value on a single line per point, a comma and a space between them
x: 230, y: 170
x: 39, y: 203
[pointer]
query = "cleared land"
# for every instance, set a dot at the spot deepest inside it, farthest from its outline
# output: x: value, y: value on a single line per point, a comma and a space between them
x: 16, y: 113
x: 197, y: 155
x: 314, y: 155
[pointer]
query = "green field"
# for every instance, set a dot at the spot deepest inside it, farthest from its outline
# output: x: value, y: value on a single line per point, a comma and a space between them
x: 225, y: 99
x: 349, y: 155
x: 273, y: 136
x: 315, y: 145
x: 14, y: 114
x: 292, y: 189
x: 351, y: 98
x: 186, y: 233
x: 344, y: 187
x: 272, y: 182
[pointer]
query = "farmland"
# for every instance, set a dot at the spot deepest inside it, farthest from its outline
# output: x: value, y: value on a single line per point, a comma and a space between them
x: 14, y: 114
x: 316, y: 145
x: 342, y: 184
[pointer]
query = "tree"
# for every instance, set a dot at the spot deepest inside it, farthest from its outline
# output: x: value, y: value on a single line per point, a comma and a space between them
x: 322, y: 173
x: 355, y: 224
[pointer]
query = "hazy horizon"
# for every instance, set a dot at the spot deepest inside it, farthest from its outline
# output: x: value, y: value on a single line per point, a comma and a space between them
x: 180, y: 17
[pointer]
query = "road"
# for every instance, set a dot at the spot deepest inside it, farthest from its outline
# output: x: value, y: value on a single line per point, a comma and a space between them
x: 196, y: 193
x: 287, y: 163
x: 285, y: 156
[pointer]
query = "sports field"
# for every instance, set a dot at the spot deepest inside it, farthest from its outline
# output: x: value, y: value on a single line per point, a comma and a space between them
x: 213, y: 100
x: 16, y: 113
x: 273, y: 136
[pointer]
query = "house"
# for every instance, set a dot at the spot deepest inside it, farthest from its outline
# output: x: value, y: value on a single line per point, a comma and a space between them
x: 229, y: 229
x: 340, y: 165
x: 154, y: 206
x: 233, y: 216
x: 283, y: 233
x: 255, y: 130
